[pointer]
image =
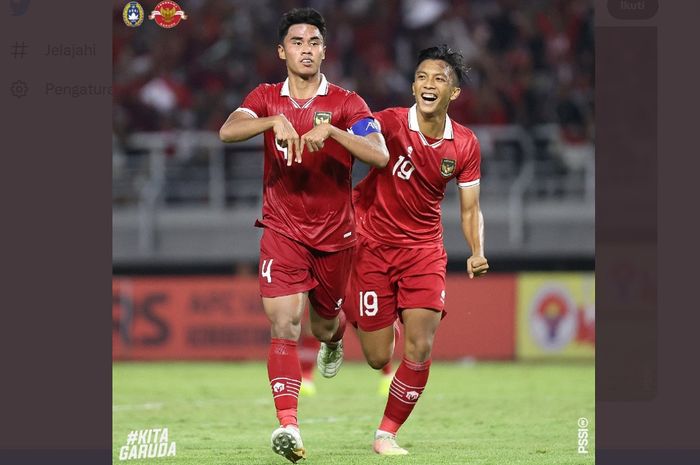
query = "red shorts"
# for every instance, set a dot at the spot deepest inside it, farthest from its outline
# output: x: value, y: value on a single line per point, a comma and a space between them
x: 288, y: 267
x: 386, y: 280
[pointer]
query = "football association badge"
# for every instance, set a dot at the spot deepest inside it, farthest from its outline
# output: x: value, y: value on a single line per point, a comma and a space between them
x: 167, y: 14
x: 321, y: 117
x: 447, y: 167
x: 133, y: 14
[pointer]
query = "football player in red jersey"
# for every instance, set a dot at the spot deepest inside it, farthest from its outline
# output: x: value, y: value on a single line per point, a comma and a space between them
x: 400, y: 260
x: 312, y: 130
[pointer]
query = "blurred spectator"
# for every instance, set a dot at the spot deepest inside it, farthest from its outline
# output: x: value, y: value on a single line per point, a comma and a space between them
x: 531, y: 61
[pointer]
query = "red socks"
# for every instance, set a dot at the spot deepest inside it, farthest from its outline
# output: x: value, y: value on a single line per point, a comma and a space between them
x: 386, y: 369
x: 308, y: 349
x: 406, y: 387
x: 284, y: 373
x: 338, y: 335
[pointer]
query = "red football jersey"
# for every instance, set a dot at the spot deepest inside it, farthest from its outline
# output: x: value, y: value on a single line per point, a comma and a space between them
x: 400, y: 204
x: 311, y: 201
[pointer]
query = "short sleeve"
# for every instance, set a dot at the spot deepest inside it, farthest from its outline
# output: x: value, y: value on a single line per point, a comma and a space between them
x: 354, y: 109
x: 254, y: 103
x: 471, y: 172
x: 386, y: 119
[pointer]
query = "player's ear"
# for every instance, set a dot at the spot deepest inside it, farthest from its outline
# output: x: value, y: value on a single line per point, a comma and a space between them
x: 280, y: 52
x: 455, y: 93
x: 323, y: 52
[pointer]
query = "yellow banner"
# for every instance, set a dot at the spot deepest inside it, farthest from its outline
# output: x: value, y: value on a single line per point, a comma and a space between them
x: 556, y: 315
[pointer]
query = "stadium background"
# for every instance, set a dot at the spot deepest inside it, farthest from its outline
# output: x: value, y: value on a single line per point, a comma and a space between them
x: 184, y: 203
x: 184, y: 246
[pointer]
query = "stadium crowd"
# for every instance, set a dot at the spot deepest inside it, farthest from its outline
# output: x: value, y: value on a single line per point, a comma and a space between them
x: 532, y: 61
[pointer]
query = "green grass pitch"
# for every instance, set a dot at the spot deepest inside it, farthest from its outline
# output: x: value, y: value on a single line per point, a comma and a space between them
x: 477, y: 414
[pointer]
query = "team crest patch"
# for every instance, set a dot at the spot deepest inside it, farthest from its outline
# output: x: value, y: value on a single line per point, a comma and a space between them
x: 133, y: 14
x: 321, y: 117
x: 167, y: 14
x: 447, y: 167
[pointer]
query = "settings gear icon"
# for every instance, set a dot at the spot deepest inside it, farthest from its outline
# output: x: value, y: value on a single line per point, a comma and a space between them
x: 19, y: 89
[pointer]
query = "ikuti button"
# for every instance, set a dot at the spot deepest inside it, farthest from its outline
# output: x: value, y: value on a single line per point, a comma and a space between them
x: 633, y: 9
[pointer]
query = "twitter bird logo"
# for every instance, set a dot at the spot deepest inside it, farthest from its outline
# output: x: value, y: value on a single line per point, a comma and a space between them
x: 19, y: 7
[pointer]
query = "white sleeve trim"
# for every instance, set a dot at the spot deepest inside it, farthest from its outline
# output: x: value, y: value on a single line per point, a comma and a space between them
x: 247, y: 110
x: 469, y: 183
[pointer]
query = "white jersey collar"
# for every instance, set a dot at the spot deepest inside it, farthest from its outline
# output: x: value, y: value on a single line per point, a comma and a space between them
x: 413, y: 124
x: 322, y: 88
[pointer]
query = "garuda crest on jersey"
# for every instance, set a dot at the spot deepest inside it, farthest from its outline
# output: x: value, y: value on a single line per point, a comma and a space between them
x: 321, y: 117
x: 447, y: 167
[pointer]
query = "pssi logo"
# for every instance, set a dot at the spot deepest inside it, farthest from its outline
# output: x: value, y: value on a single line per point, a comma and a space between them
x: 133, y: 14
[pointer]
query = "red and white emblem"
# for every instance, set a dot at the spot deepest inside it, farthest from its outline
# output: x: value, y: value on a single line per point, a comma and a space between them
x: 167, y: 14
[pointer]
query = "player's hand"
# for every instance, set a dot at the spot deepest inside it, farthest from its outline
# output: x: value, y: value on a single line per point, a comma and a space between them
x: 286, y: 136
x: 477, y: 266
x: 314, y: 139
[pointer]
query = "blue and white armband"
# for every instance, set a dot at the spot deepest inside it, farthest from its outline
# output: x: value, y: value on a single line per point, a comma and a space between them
x: 365, y: 127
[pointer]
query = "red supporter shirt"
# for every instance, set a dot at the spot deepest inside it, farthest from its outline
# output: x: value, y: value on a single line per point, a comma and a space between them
x: 311, y: 201
x: 400, y: 204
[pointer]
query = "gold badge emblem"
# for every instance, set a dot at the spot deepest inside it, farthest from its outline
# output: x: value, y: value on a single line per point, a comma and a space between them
x: 321, y: 117
x: 447, y: 167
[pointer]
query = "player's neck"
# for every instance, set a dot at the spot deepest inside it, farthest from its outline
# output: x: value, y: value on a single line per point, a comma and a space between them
x: 433, y: 125
x: 301, y: 87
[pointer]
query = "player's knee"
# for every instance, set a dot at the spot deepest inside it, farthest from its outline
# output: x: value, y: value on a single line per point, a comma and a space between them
x: 419, y: 349
x: 285, y: 328
x: 323, y: 332
x: 378, y: 361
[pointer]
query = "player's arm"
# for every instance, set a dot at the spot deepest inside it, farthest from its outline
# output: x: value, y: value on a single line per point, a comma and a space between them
x: 242, y: 126
x: 368, y: 146
x: 473, y: 228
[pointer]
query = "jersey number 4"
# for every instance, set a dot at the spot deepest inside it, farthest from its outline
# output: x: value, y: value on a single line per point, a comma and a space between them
x: 266, y: 270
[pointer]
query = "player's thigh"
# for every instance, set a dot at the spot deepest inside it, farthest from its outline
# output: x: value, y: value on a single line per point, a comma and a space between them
x: 371, y: 301
x: 331, y: 272
x: 284, y: 314
x: 421, y: 283
x: 285, y: 266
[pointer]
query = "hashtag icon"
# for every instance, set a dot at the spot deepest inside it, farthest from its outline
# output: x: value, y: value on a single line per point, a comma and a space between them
x: 19, y: 50
x: 131, y: 438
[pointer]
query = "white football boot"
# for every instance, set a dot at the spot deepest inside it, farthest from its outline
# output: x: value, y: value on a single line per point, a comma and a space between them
x: 286, y: 441
x: 385, y: 444
x: 329, y: 360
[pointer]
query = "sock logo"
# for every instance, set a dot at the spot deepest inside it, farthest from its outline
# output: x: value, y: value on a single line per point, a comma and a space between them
x: 278, y: 387
x: 412, y: 395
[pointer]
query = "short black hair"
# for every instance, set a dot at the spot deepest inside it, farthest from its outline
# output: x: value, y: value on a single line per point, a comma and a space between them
x: 449, y: 56
x: 301, y: 16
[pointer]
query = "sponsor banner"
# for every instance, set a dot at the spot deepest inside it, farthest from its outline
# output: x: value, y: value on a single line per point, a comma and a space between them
x: 188, y: 318
x: 480, y: 321
x: 204, y: 318
x: 556, y: 315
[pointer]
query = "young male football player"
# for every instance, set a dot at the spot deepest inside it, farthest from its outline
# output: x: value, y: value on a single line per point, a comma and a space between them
x: 312, y: 130
x: 400, y: 260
